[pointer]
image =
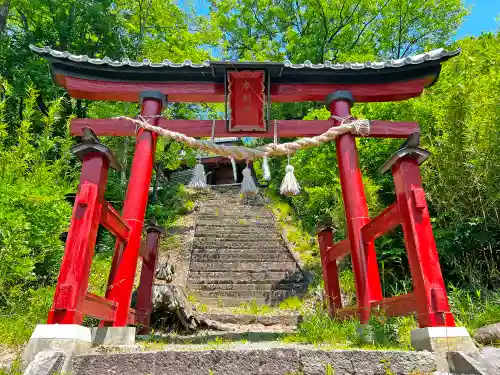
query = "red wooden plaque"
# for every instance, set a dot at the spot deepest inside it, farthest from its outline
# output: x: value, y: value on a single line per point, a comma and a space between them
x: 246, y: 101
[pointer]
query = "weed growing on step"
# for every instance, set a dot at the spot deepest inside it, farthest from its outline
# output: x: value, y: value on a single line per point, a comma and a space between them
x: 218, y: 342
x: 14, y: 369
x: 253, y: 308
x: 294, y: 304
x: 191, y: 298
x: 329, y: 369
x: 202, y: 307
x: 386, y: 366
x: 220, y: 302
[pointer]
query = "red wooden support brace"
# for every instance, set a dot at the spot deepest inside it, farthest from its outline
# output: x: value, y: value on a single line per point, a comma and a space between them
x: 364, y: 265
x: 121, y: 282
x: 145, y: 289
x: 330, y: 270
x: 69, y: 304
x: 428, y: 285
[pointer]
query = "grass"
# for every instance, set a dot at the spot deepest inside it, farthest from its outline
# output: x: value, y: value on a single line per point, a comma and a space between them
x: 288, y: 305
x: 319, y: 329
x: 294, y: 304
x: 253, y: 308
x: 18, y: 321
x: 302, y: 242
x: 474, y: 309
x: 14, y: 369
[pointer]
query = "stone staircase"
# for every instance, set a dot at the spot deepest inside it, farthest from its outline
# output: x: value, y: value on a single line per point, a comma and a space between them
x: 238, y: 254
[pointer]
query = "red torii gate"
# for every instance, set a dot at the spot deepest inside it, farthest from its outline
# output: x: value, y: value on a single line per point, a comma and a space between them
x: 249, y: 88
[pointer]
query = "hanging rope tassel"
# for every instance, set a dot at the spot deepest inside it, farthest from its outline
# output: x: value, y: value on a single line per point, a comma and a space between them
x: 265, y: 168
x: 199, y: 179
x: 235, y: 172
x: 248, y: 188
x: 289, y: 186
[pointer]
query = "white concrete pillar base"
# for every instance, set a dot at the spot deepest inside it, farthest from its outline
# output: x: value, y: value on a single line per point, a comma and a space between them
x: 113, y: 336
x: 442, y: 340
x: 70, y: 339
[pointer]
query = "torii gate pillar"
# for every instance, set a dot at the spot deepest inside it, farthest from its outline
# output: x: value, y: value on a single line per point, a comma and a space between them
x: 365, y: 266
x: 122, y: 276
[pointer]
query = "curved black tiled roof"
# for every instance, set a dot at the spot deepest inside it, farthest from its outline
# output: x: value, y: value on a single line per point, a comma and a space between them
x: 417, y: 66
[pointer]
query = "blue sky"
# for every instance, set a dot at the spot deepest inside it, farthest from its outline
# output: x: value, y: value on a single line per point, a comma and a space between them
x: 481, y: 18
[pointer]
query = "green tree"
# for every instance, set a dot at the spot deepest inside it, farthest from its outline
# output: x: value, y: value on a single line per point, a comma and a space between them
x: 35, y: 174
x: 335, y: 30
x: 460, y: 122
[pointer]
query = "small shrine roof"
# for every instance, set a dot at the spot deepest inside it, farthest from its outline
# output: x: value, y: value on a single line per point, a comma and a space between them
x: 125, y: 70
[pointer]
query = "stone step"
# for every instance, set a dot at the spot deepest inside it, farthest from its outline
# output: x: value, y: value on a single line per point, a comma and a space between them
x: 213, y: 201
x: 225, y: 301
x: 224, y: 243
x: 243, y: 237
x: 232, y: 206
x: 216, y: 256
x: 236, y: 229
x: 261, y: 287
x: 269, y: 246
x: 235, y: 224
x: 272, y: 296
x: 254, y: 358
x: 243, y: 277
x: 243, y: 266
x: 246, y: 319
x: 239, y: 220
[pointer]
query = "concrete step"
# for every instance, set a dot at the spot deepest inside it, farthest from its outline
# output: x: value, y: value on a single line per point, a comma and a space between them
x: 244, y: 277
x: 243, y: 266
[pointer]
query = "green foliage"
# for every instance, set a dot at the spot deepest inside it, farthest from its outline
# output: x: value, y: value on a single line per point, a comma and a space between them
x: 318, y: 328
x: 254, y: 308
x: 33, y: 208
x: 14, y: 369
x: 460, y: 123
x: 474, y: 309
x: 459, y: 117
x: 173, y: 200
x: 291, y: 304
x: 25, y: 310
x: 319, y: 30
